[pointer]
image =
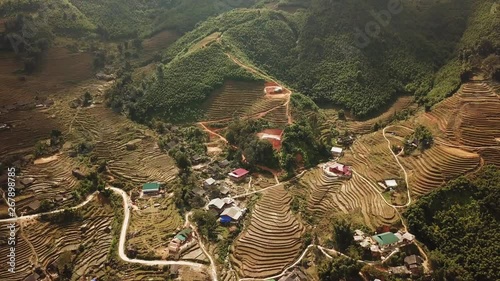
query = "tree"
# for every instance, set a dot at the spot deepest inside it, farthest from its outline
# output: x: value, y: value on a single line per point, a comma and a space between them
x: 339, y: 268
x: 342, y: 233
x: 87, y: 99
x: 341, y: 114
x: 207, y: 223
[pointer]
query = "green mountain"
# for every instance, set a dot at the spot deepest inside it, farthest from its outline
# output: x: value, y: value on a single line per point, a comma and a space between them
x: 357, y: 54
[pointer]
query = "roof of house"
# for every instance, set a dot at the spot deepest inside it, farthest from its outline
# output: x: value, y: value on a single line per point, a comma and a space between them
x: 358, y: 238
x: 234, y: 212
x: 34, y: 205
x: 186, y: 231
x: 217, y: 202
x: 180, y: 237
x: 408, y: 236
x: 359, y: 232
x: 413, y: 259
x: 336, y: 149
x: 391, y: 183
x: 151, y: 186
x: 238, y: 173
x: 210, y: 181
x: 225, y: 219
x: 224, y: 163
x: 199, y: 191
x: 224, y: 190
x: 385, y: 238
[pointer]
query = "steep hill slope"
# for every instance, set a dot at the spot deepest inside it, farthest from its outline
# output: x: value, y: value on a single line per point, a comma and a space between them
x: 359, y: 55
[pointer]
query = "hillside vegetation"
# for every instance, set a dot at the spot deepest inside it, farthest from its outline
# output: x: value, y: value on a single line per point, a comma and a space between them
x: 459, y: 223
x: 425, y: 50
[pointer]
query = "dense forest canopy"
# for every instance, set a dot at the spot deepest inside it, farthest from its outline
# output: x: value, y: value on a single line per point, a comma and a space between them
x: 460, y: 224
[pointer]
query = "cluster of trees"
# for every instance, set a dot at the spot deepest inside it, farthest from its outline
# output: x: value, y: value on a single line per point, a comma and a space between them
x: 182, y: 85
x: 44, y: 148
x: 421, y: 138
x: 301, y: 147
x: 242, y: 134
x: 459, y: 223
x: 206, y: 223
x: 339, y: 268
x: 29, y: 37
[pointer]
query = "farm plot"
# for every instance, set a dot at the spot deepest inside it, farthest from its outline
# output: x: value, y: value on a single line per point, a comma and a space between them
x: 370, y: 156
x: 234, y: 98
x: 151, y: 228
x: 28, y: 127
x: 271, y: 241
x: 437, y: 165
x: 110, y: 133
x: 353, y: 196
x: 52, y: 181
x: 277, y: 117
x: 50, y: 241
x: 470, y: 117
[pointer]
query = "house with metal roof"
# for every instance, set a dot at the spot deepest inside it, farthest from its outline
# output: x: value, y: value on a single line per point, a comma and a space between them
x: 234, y: 213
x: 238, y: 174
x: 385, y: 239
x: 220, y: 203
x: 391, y: 183
x: 336, y: 151
x: 209, y: 182
x: 151, y: 188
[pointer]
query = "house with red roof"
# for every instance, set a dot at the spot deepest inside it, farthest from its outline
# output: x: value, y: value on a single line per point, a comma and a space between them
x: 238, y: 174
x: 341, y: 170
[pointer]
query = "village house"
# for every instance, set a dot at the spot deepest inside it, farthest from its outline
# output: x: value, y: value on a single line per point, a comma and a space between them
x: 238, y: 174
x: 224, y: 190
x: 233, y: 213
x: 413, y: 263
x: 295, y: 275
x: 180, y: 243
x: 151, y: 188
x: 224, y: 163
x: 385, y: 240
x: 199, y: 191
x: 334, y: 169
x: 336, y: 151
x: 220, y: 204
x: 209, y: 182
x: 391, y: 184
x: 33, y: 206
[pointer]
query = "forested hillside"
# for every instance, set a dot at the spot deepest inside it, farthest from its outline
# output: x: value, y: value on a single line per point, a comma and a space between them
x: 425, y: 49
x: 460, y: 224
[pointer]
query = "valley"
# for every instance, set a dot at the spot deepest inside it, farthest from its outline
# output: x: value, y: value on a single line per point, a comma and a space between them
x: 198, y: 147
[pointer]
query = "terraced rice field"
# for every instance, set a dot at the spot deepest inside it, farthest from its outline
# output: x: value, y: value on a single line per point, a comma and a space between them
x: 470, y: 119
x: 370, y: 156
x: 271, y: 241
x: 110, y: 133
x: 52, y: 180
x: 234, y: 98
x: 436, y: 165
x: 49, y: 241
x: 151, y: 229
x: 353, y: 196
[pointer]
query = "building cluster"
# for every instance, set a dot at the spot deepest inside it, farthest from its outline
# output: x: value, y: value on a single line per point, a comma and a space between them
x: 227, y: 209
x: 381, y: 245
